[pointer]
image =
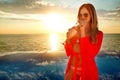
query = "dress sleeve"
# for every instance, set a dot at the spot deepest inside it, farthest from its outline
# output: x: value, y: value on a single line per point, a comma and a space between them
x: 68, y: 48
x: 90, y: 49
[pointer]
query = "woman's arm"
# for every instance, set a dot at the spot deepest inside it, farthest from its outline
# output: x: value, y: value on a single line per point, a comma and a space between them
x: 70, y: 74
x: 94, y: 48
x: 91, y: 49
x: 68, y: 47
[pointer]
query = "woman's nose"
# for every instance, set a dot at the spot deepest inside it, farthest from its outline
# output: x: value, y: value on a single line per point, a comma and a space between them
x: 82, y: 17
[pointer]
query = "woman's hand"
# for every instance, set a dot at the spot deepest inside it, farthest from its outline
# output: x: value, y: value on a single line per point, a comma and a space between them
x: 82, y: 31
x: 69, y: 75
x: 71, y: 32
x: 84, y: 28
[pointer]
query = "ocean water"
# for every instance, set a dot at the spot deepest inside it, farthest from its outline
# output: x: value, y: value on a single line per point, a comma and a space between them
x: 42, y: 57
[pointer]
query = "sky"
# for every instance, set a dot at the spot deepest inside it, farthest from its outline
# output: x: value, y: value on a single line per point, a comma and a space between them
x: 54, y: 16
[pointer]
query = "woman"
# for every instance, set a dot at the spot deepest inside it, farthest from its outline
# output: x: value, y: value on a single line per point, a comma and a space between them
x: 82, y: 44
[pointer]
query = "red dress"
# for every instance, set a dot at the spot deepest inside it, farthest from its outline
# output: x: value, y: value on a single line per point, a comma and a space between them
x: 89, y: 70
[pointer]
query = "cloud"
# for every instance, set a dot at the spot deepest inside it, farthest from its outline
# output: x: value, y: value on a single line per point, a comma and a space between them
x: 109, y: 14
x: 28, y: 17
x: 31, y: 17
x: 44, y: 3
x: 40, y: 6
x: 14, y: 5
x: 29, y: 6
x: 31, y: 10
x: 34, y: 10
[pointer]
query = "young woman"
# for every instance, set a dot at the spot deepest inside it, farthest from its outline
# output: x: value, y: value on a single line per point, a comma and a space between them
x: 83, y: 42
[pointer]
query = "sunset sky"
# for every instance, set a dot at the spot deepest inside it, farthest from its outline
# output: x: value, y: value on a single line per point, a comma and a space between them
x: 51, y: 16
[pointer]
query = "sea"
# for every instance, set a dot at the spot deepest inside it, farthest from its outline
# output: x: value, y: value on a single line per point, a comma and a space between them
x: 42, y: 57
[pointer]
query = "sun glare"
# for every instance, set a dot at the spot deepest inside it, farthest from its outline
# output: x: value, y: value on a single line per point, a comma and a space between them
x: 53, y: 42
x: 55, y: 22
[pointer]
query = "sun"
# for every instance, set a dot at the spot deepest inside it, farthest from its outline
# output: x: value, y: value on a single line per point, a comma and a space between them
x: 55, y: 22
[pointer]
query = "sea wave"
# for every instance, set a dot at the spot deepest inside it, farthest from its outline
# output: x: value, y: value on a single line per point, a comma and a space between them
x: 113, y: 53
x: 30, y: 76
x: 49, y: 65
x: 33, y: 66
x: 27, y: 52
x: 106, y: 76
x: 100, y: 54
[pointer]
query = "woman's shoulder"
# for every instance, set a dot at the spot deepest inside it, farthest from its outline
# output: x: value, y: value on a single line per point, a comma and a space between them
x: 100, y: 33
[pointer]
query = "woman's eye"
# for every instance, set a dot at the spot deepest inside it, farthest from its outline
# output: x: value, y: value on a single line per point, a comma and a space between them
x: 85, y: 15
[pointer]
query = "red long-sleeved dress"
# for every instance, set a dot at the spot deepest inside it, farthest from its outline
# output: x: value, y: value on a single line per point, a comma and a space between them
x: 89, y: 70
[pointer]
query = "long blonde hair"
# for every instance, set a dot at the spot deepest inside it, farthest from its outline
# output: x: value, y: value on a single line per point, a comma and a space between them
x: 93, y: 21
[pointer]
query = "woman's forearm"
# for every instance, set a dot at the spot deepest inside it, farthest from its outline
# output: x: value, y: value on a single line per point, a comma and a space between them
x: 73, y: 62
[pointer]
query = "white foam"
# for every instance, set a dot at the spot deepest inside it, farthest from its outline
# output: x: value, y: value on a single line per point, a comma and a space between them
x: 27, y: 52
x: 44, y: 63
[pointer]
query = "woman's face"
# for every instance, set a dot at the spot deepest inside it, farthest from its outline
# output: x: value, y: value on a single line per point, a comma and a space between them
x: 84, y: 15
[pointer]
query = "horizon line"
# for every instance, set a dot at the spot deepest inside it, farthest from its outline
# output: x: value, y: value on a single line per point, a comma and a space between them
x: 39, y: 33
